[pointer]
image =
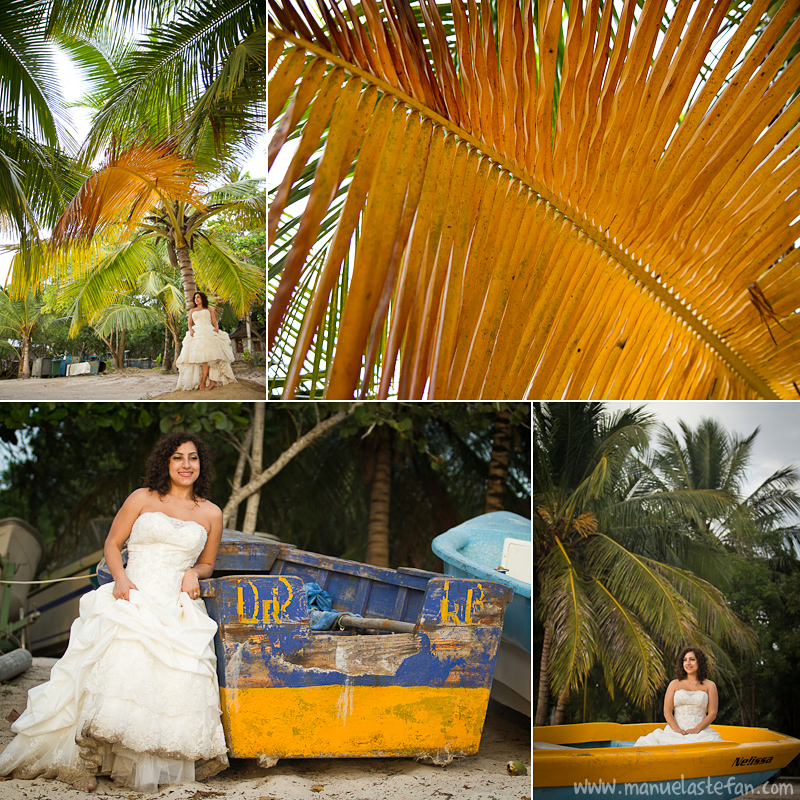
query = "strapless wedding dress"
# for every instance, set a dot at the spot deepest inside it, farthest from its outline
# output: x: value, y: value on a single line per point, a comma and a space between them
x: 689, y: 709
x: 206, y: 346
x: 135, y: 695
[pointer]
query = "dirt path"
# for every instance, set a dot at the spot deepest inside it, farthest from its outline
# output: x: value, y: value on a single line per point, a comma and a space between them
x: 506, y: 736
x: 131, y: 383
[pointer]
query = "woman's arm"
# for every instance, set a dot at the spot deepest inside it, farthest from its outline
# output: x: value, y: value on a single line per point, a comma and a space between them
x: 713, y: 706
x: 206, y: 560
x: 117, y: 536
x: 214, y: 319
x: 191, y: 332
x: 668, y: 707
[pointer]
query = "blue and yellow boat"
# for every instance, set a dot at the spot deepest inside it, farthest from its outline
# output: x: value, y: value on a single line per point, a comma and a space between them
x: 599, y: 758
x: 406, y: 671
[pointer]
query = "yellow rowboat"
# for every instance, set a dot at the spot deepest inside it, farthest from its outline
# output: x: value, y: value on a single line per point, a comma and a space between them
x: 599, y: 758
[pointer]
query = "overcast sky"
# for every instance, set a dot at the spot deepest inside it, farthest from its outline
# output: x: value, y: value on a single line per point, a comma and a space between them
x: 777, y: 444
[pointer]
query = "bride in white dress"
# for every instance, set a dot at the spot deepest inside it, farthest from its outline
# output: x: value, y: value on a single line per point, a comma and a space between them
x: 690, y: 704
x: 136, y: 696
x: 206, y: 353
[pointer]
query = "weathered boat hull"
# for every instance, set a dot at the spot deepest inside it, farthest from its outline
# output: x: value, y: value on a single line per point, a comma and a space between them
x: 288, y: 691
x: 598, y: 758
x: 474, y: 550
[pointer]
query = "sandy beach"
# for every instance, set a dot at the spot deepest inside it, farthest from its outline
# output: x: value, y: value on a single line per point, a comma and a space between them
x: 132, y: 383
x: 506, y: 736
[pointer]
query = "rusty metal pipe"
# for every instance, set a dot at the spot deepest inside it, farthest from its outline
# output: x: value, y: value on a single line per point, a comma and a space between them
x: 371, y: 623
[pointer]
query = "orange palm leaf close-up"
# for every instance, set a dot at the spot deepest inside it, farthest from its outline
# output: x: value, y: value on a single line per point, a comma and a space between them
x: 509, y: 201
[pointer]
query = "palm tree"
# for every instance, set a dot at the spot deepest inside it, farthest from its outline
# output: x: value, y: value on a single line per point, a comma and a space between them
x: 150, y: 193
x: 710, y: 458
x: 510, y: 204
x: 36, y: 176
x: 600, y: 602
x: 19, y: 320
x: 173, y: 112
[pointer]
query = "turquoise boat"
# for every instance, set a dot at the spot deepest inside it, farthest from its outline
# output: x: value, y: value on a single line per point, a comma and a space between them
x: 497, y: 547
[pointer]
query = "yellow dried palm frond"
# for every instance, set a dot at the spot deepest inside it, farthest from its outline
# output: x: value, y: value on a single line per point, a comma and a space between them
x: 128, y: 186
x: 524, y: 223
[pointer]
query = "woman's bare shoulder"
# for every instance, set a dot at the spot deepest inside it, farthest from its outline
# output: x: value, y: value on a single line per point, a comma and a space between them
x: 211, y: 509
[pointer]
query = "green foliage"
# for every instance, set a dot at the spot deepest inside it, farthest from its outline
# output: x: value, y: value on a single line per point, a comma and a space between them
x: 320, y: 500
x: 68, y: 463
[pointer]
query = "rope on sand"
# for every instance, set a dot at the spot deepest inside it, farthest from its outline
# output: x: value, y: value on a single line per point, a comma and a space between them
x: 54, y: 580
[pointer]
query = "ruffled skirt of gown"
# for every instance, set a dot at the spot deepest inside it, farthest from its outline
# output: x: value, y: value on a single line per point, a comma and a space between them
x: 135, y: 696
x: 206, y: 346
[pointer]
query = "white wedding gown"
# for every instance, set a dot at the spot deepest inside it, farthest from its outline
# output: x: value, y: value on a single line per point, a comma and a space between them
x: 136, y: 693
x: 206, y: 346
x: 690, y: 708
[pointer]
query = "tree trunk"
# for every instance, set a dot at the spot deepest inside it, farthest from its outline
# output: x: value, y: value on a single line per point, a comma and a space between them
x: 231, y: 520
x: 498, y: 465
x: 166, y: 361
x: 561, y: 708
x: 380, y: 495
x: 544, y: 678
x: 119, y: 353
x: 24, y: 365
x: 256, y: 460
x: 257, y: 481
x: 187, y: 275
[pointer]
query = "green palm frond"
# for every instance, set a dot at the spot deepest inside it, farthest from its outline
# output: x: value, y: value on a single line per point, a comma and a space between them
x: 631, y: 658
x: 217, y: 268
x: 168, y: 75
x: 124, y: 317
x: 713, y: 612
x: 644, y: 589
x: 565, y: 605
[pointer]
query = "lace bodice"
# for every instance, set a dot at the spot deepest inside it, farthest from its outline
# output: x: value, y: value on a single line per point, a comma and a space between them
x: 160, y: 549
x: 201, y: 318
x: 689, y: 707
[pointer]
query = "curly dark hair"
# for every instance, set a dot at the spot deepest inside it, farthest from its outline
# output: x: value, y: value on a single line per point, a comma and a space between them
x: 157, y: 479
x: 203, y: 302
x: 702, y: 664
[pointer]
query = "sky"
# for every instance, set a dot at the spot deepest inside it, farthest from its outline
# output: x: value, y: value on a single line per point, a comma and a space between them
x: 777, y: 444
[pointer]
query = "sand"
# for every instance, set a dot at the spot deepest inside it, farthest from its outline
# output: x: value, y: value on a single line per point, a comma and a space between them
x: 131, y: 383
x: 506, y: 736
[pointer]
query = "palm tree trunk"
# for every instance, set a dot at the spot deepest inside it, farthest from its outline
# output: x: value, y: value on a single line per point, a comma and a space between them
x: 24, y: 364
x: 561, y: 708
x: 378, y: 534
x: 119, y: 353
x: 187, y: 275
x: 498, y: 465
x: 544, y: 678
x: 166, y: 362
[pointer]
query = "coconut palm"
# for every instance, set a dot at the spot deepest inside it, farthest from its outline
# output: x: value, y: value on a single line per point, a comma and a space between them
x: 710, y: 458
x: 514, y: 204
x: 19, y: 320
x: 36, y: 176
x: 599, y: 601
x: 146, y: 194
x: 173, y: 109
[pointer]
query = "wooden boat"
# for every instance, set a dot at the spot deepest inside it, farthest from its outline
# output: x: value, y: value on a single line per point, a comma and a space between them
x: 599, y: 758
x: 413, y: 682
x: 57, y: 604
x: 21, y: 550
x: 497, y: 547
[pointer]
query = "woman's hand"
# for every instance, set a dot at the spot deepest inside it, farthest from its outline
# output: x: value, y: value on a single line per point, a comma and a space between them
x: 696, y: 729
x: 677, y: 729
x: 122, y: 588
x: 191, y: 584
